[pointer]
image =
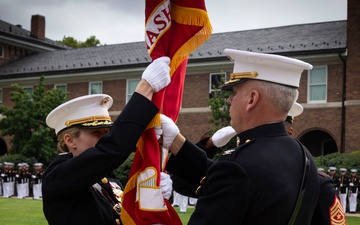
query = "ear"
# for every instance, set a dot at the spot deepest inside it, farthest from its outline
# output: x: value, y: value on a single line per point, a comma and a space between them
x: 69, y: 141
x: 253, y: 99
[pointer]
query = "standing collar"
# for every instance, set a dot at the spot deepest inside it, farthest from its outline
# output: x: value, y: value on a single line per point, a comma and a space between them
x: 262, y: 131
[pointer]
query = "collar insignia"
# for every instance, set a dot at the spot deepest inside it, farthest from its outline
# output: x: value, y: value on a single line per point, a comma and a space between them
x: 228, y: 152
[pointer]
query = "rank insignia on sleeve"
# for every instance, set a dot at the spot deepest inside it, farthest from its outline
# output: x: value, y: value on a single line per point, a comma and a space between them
x: 337, y: 215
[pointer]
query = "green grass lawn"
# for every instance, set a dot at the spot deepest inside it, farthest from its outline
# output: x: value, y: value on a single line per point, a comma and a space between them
x: 185, y: 216
x: 15, y: 211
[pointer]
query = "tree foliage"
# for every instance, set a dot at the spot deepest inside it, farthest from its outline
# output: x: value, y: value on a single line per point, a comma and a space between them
x: 92, y: 41
x: 345, y: 160
x: 25, y: 122
x: 219, y: 108
x: 220, y: 114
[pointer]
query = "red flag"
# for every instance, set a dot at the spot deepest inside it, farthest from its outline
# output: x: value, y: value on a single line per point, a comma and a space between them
x: 174, y: 28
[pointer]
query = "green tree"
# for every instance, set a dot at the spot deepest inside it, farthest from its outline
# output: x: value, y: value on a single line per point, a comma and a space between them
x: 25, y: 122
x: 219, y: 108
x: 92, y: 41
x: 220, y: 114
x: 347, y: 160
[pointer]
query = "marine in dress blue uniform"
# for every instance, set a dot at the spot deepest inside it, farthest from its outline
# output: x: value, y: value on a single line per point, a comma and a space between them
x: 69, y: 194
x: 78, y: 187
x: 8, y: 178
x: 20, y: 181
x: 334, y: 176
x: 343, y: 183
x: 328, y: 207
x: 36, y: 179
x: 234, y: 190
x: 353, y: 190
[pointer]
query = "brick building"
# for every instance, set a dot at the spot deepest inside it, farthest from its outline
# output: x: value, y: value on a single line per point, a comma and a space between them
x: 330, y: 93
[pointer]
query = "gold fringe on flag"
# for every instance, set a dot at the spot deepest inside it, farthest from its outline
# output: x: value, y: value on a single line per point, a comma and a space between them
x: 193, y: 17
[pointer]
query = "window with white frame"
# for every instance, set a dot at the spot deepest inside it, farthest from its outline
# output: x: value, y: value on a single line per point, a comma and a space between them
x: 29, y: 90
x: 95, y: 87
x: 216, y: 80
x: 130, y: 87
x: 61, y: 87
x: 317, y: 85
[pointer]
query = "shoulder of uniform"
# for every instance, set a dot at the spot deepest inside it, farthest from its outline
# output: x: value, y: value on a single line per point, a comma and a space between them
x: 229, y: 151
x: 324, y: 175
x: 64, y: 153
x: 244, y: 144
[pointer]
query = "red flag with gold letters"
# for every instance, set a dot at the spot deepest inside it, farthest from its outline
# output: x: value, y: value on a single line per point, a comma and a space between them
x: 173, y: 28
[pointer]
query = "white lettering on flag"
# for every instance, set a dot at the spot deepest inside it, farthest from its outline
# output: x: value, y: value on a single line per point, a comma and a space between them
x: 157, y: 24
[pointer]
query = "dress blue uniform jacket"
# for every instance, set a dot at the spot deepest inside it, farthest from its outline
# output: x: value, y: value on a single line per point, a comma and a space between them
x: 68, y: 195
x: 255, y: 183
x: 328, y: 208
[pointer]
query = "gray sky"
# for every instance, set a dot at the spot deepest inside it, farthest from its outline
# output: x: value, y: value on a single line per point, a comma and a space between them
x: 122, y: 21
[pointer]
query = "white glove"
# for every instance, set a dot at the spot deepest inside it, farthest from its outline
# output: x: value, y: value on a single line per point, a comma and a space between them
x: 157, y: 74
x: 170, y: 130
x: 223, y: 136
x: 165, y: 185
x: 158, y: 132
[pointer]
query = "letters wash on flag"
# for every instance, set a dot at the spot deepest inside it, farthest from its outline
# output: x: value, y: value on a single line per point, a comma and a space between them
x: 173, y: 28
